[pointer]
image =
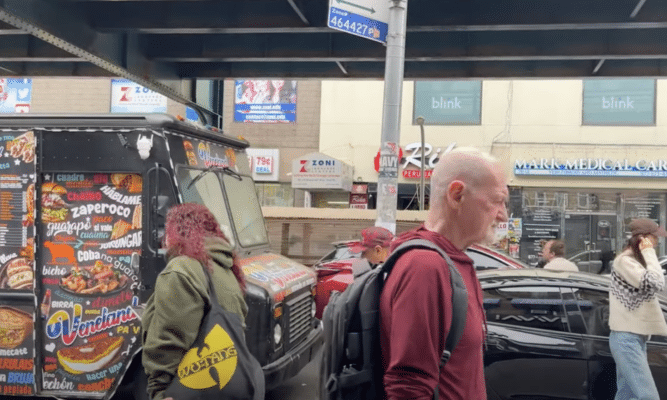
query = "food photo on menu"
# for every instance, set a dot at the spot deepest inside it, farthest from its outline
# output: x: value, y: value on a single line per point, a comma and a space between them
x: 17, y: 273
x: 99, y: 278
x: 15, y: 327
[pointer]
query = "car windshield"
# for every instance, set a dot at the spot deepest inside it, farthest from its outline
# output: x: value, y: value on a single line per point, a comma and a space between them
x: 204, y: 187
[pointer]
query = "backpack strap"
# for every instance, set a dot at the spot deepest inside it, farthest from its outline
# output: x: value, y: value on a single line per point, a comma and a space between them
x: 459, y: 295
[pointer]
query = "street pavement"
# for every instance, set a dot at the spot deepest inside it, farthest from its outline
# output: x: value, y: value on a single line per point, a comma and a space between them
x: 301, y: 387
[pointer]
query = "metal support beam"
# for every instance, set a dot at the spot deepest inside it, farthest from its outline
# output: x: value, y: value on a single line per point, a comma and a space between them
x: 341, y: 67
x: 62, y: 27
x: 637, y: 8
x: 196, y: 30
x: 298, y: 12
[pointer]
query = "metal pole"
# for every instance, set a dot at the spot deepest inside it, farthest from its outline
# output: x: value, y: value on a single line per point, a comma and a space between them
x: 420, y: 121
x: 391, y: 116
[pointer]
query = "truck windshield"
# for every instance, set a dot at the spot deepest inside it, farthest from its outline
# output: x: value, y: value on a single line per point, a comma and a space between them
x: 204, y: 187
x: 247, y: 213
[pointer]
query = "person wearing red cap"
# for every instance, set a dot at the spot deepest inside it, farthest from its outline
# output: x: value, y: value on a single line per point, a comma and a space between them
x: 468, y: 199
x: 634, y: 311
x: 374, y: 248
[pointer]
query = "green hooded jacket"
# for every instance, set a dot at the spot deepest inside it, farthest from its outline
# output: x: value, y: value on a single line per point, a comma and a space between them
x: 176, y: 308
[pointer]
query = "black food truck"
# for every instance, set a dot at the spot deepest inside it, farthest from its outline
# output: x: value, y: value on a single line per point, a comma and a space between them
x: 83, y: 201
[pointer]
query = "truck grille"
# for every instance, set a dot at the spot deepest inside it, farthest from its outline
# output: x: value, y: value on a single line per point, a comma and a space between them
x: 299, y: 313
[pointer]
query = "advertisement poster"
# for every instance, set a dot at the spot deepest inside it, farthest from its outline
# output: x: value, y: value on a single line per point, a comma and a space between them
x: 129, y: 97
x: 17, y: 191
x: 15, y: 95
x: 91, y: 229
x: 265, y: 101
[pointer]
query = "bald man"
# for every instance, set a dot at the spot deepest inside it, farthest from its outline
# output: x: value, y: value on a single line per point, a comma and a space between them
x: 468, y: 199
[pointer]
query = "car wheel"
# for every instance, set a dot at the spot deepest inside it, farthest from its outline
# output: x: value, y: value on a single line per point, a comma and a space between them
x: 603, y: 386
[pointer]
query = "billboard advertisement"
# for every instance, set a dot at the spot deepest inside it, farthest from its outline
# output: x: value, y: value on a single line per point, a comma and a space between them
x: 265, y: 101
x: 619, y: 102
x: 15, y: 95
x: 448, y: 102
x: 129, y: 97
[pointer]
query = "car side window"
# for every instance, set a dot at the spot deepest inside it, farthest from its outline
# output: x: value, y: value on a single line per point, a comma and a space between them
x: 594, y: 306
x: 483, y: 262
x: 538, y: 307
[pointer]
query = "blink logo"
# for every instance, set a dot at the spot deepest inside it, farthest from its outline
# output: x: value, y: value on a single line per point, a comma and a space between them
x: 617, y: 103
x: 445, y: 103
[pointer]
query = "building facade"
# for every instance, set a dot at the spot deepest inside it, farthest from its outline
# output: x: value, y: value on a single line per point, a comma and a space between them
x: 583, y: 156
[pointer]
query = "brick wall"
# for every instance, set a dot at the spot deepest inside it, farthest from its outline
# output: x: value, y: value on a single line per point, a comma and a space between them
x: 293, y: 140
x: 79, y: 95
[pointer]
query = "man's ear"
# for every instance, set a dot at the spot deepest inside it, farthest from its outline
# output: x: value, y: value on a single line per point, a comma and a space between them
x: 455, y: 191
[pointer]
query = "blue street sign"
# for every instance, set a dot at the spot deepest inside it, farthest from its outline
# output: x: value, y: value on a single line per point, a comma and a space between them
x: 350, y: 22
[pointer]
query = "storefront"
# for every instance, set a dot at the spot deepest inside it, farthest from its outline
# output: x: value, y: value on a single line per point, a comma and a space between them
x: 586, y: 202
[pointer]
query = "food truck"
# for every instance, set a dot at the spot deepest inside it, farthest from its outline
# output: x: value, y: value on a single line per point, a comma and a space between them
x: 83, y: 201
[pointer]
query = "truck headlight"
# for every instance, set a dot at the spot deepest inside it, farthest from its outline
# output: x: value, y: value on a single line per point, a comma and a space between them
x: 277, y: 334
x: 313, y: 310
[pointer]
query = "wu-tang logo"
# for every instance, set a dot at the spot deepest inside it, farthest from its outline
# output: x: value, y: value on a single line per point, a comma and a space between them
x: 213, y: 363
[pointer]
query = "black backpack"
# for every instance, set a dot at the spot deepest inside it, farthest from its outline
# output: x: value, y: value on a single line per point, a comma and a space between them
x: 351, y: 366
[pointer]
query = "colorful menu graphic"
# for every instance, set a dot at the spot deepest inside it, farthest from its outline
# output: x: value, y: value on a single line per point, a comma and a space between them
x: 205, y: 154
x: 17, y: 193
x: 91, y: 227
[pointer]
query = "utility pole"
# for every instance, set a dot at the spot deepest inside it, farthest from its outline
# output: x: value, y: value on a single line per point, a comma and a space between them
x: 387, y: 191
x: 420, y: 121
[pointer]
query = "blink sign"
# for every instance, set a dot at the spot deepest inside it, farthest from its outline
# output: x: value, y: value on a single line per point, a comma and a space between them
x: 595, y: 167
x: 619, y: 102
x: 448, y: 102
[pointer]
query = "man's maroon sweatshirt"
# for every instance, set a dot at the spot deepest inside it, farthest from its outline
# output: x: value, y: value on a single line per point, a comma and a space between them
x: 415, y: 316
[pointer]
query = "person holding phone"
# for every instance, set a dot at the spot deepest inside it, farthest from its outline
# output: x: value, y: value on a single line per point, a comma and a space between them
x: 634, y: 311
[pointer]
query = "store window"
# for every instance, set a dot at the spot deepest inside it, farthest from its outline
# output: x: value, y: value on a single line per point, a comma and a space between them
x: 593, y: 224
x: 275, y: 194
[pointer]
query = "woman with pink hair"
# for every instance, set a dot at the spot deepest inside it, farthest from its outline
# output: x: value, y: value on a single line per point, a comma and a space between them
x: 175, y: 310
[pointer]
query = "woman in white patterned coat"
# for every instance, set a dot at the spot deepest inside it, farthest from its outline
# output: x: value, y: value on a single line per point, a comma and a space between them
x: 634, y: 311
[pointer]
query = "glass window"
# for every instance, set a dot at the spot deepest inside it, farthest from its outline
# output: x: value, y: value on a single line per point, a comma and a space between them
x: 529, y: 306
x: 594, y: 306
x: 207, y: 191
x: 246, y: 212
x: 275, y: 194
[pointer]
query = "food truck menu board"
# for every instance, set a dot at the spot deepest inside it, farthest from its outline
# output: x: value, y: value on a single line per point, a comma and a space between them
x: 17, y: 204
x: 17, y: 188
x: 91, y: 227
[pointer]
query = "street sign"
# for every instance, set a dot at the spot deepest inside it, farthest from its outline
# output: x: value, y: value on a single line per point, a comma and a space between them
x: 365, y: 18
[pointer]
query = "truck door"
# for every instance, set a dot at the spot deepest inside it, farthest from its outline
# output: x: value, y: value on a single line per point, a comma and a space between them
x: 90, y: 231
